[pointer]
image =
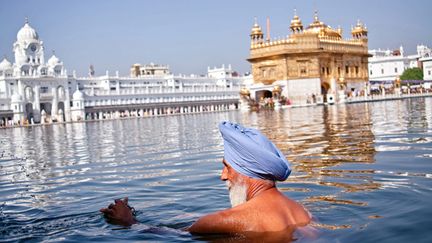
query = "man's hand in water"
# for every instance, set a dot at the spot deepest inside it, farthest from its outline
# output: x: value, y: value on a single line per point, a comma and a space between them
x: 119, y: 212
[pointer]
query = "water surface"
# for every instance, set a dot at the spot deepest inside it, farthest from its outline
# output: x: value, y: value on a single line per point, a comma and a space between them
x: 363, y: 170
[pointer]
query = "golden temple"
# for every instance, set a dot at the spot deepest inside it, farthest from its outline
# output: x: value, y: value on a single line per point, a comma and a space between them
x: 314, y: 52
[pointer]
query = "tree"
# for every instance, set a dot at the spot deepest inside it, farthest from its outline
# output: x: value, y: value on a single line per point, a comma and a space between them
x: 412, y: 74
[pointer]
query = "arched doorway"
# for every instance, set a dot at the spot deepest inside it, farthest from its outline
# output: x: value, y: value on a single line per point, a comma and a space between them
x: 60, y: 93
x: 262, y: 94
x: 28, y: 93
x: 47, y: 108
x: 29, y: 112
x: 325, y: 87
x: 61, y: 106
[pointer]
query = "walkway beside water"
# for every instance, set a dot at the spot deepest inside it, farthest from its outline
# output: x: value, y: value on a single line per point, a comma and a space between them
x: 349, y: 100
x: 370, y: 98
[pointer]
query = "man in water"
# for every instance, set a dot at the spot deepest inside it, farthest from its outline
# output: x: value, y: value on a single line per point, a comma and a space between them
x: 252, y: 165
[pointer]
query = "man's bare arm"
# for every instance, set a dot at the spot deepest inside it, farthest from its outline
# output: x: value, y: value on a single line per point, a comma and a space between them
x: 226, y: 221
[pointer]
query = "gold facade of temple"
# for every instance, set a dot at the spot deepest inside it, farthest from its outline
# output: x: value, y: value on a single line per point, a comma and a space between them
x: 317, y: 51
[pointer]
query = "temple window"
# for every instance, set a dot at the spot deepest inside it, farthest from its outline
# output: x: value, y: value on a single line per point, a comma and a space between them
x: 339, y: 70
x: 396, y: 70
x: 271, y: 72
x: 323, y: 70
x: 382, y: 70
x: 328, y: 71
x: 303, y: 71
x: 346, y: 69
x: 356, y: 70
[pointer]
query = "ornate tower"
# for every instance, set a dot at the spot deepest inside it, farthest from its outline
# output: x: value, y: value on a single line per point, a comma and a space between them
x: 17, y: 106
x: 296, y: 24
x: 256, y: 35
x: 77, y: 109
x: 359, y: 31
x: 29, y: 50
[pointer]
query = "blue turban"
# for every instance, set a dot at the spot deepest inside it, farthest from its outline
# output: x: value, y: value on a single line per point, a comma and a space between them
x: 253, y: 154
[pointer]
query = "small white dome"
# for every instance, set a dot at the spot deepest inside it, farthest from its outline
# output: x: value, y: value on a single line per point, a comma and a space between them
x: 78, y: 95
x: 5, y: 65
x: 16, y: 98
x: 53, y: 61
x: 27, y: 33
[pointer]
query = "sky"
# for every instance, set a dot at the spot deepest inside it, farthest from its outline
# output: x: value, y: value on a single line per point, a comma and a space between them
x: 190, y: 35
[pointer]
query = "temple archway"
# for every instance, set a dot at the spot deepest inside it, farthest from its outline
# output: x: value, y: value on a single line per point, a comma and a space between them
x: 61, y: 93
x: 262, y: 94
x: 325, y: 88
x: 29, y: 112
x: 61, y: 106
x: 28, y: 93
x: 46, y: 107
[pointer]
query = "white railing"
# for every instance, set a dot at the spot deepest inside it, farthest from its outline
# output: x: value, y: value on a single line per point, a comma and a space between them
x: 377, y: 97
x: 162, y: 91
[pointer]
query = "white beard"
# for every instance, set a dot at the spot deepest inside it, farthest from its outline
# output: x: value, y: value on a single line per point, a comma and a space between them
x: 237, y: 193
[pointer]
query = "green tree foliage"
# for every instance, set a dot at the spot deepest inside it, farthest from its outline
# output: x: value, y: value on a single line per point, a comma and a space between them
x: 412, y: 74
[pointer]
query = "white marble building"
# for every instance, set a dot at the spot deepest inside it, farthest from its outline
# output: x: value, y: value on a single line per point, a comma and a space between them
x: 35, y: 91
x: 427, y: 68
x: 389, y: 65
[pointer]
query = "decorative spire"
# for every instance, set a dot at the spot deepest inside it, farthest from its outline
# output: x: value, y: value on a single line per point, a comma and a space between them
x: 256, y: 32
x: 26, y: 20
x: 255, y: 21
x: 268, y: 29
x: 296, y: 24
x: 316, y: 16
x: 359, y: 31
x: 339, y: 29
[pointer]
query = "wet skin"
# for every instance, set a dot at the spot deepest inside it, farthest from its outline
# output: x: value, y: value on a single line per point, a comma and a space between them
x: 266, y: 209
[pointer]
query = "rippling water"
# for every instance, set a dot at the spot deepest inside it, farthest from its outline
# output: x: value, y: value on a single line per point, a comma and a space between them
x: 363, y: 170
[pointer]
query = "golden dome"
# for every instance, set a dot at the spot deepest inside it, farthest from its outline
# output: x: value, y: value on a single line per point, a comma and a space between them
x: 322, y: 29
x: 359, y: 29
x: 256, y: 29
x: 296, y: 24
x: 316, y: 24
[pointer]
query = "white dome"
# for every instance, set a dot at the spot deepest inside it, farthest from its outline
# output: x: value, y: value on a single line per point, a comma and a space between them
x: 16, y: 98
x: 78, y: 95
x: 5, y: 65
x: 27, y: 33
x: 53, y: 61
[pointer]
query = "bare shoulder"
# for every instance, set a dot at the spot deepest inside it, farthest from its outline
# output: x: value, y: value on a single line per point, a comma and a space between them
x: 280, y: 210
x: 271, y: 211
x: 230, y: 220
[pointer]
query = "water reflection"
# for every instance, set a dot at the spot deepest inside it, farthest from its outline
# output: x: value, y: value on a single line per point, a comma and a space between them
x: 353, y: 165
x: 320, y: 138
